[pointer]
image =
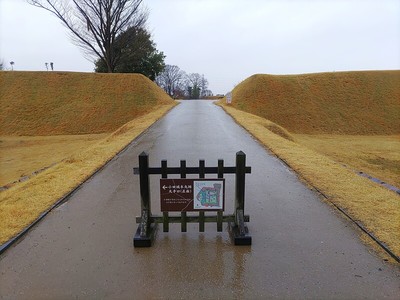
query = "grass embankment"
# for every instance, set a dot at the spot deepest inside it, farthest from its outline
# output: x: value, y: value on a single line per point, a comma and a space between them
x: 140, y: 99
x: 355, y: 103
x: 61, y: 103
x: 353, y: 117
x: 318, y: 122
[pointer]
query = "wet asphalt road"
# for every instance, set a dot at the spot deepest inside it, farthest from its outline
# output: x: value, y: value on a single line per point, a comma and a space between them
x: 301, y: 247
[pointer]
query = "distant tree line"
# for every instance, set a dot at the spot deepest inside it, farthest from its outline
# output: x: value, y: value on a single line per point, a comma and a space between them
x: 178, y: 84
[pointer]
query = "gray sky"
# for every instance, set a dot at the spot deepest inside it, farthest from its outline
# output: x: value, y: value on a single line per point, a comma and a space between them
x: 227, y: 40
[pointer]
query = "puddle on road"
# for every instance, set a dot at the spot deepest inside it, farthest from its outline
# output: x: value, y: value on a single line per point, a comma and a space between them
x: 179, y: 260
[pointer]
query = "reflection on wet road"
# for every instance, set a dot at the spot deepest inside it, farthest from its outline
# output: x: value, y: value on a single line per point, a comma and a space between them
x: 301, y: 247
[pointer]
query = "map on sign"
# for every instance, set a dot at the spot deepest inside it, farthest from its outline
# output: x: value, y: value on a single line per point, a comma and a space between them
x: 192, y: 194
x: 208, y: 195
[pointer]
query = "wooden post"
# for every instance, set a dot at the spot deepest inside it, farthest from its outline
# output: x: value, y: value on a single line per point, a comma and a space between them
x: 183, y: 214
x: 202, y: 174
x: 239, y: 228
x: 164, y: 174
x: 220, y: 213
x: 144, y: 183
x: 145, y: 233
x: 240, y: 182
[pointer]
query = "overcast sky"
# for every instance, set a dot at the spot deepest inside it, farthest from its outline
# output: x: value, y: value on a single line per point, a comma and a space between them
x: 227, y: 40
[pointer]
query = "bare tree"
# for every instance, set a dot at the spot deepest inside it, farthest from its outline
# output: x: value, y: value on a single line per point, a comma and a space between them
x: 177, y: 83
x: 47, y: 66
x: 195, y: 79
x: 95, y: 24
x: 204, y: 92
x: 171, y: 80
x: 193, y: 85
x: 197, y: 86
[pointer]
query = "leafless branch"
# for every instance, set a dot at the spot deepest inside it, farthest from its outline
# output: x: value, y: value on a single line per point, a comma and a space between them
x: 94, y: 24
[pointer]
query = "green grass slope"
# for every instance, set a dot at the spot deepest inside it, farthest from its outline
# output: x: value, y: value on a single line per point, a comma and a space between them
x: 362, y: 102
x: 54, y: 103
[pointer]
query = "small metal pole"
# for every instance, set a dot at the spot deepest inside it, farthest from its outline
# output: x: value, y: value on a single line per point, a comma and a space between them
x: 164, y: 174
x: 183, y: 214
x: 220, y: 175
x: 202, y: 174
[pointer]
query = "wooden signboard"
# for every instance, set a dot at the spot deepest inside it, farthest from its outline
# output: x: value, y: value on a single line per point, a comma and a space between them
x: 192, y: 194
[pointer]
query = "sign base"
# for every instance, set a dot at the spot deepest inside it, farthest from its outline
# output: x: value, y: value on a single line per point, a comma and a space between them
x: 237, y: 238
x: 146, y: 241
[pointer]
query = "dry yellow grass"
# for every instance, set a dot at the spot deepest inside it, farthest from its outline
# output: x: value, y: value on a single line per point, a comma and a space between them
x: 378, y: 156
x: 23, y: 203
x: 356, y: 103
x: 375, y: 207
x: 60, y: 103
x: 21, y: 155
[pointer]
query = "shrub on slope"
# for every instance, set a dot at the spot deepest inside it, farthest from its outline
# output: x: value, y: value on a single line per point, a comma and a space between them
x: 341, y: 102
x: 54, y: 103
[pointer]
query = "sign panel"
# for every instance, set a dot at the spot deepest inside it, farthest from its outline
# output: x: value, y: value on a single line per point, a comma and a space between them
x: 229, y: 98
x: 192, y: 194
